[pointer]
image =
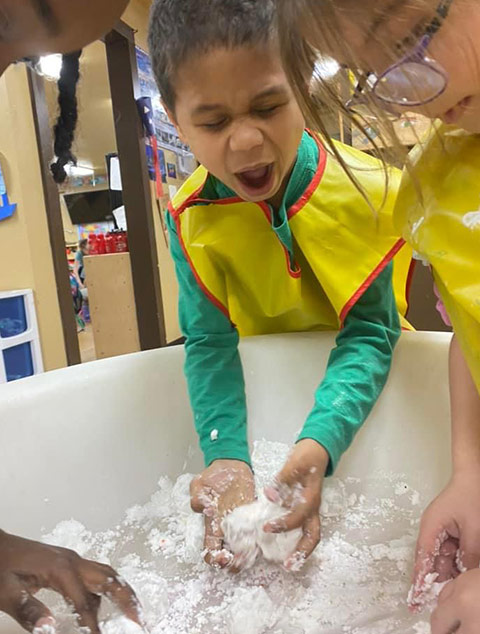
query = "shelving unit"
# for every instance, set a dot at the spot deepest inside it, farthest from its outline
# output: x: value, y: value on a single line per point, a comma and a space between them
x: 20, y: 352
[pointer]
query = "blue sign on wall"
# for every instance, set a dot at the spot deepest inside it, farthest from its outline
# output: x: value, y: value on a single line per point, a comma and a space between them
x: 6, y: 208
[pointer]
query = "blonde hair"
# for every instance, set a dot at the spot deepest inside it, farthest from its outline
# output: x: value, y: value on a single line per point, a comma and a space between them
x: 308, y: 30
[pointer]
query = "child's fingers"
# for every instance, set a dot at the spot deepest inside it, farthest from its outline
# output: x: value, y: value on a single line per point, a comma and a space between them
x: 288, y: 522
x: 469, y: 555
x: 221, y: 559
x: 237, y: 563
x: 215, y: 553
x: 84, y: 603
x: 307, y: 505
x: 445, y: 564
x: 102, y: 579
x: 213, y: 533
x: 428, y: 545
x: 446, y: 594
x: 272, y: 494
x: 196, y: 502
x: 202, y: 498
x: 16, y: 600
x: 280, y: 492
x: 445, y: 619
x: 307, y: 544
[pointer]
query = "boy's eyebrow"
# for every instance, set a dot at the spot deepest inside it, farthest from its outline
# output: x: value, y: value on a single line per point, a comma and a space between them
x: 268, y: 92
x: 273, y: 91
x: 206, y: 107
x: 44, y: 10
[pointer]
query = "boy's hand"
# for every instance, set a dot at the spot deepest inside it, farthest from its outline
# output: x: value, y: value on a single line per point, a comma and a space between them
x: 298, y: 487
x: 449, y: 539
x: 27, y: 566
x: 458, y: 608
x: 224, y: 486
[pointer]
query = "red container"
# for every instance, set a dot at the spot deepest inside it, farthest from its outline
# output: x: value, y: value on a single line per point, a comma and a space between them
x: 92, y: 244
x: 101, y: 248
x: 110, y: 243
x: 121, y: 244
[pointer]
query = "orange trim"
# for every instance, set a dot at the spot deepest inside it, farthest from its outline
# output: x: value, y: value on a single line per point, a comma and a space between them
x: 209, y: 295
x: 186, y: 203
x: 308, y: 193
x: 156, y: 163
x: 370, y: 279
x: 192, y: 200
x: 297, y: 272
x: 220, y: 201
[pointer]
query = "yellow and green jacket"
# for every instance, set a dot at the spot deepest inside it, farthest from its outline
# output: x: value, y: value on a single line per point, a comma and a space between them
x: 322, y: 261
x: 442, y: 224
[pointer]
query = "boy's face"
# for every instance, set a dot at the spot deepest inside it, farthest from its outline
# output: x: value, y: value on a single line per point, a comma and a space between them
x: 236, y: 110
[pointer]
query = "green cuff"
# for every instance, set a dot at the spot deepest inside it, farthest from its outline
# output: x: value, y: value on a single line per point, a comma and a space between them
x: 328, y: 442
x: 224, y: 450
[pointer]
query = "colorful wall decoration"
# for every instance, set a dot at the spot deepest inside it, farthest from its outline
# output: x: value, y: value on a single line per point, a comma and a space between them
x: 7, y: 209
x: 166, y: 133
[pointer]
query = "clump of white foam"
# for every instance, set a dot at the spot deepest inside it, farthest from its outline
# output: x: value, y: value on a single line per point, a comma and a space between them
x: 422, y: 628
x: 123, y: 625
x: 245, y: 535
x: 71, y: 534
x: 252, y: 610
x: 45, y: 626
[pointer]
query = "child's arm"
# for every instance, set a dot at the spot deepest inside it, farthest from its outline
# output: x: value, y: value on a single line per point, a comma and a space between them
x: 356, y: 374
x: 454, y: 516
x: 465, y: 404
x: 217, y: 393
x: 357, y: 370
x: 213, y: 368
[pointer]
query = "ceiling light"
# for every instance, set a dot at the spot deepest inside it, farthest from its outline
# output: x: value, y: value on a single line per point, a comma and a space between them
x: 326, y: 68
x: 50, y: 66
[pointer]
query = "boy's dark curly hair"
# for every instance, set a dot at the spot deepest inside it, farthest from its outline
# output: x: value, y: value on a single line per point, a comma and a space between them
x: 181, y: 29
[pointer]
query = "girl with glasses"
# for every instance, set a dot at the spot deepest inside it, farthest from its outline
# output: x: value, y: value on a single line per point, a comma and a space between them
x: 420, y: 56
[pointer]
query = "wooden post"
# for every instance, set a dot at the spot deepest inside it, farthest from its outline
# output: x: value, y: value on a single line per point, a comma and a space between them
x: 54, y: 217
x: 122, y: 68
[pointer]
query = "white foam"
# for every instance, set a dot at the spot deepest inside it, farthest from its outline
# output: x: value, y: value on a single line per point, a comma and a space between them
x: 244, y: 534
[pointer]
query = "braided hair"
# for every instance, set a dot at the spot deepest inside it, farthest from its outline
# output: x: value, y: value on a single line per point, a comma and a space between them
x: 64, y: 129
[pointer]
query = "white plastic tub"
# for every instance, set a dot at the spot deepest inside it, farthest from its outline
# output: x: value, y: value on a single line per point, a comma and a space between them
x: 90, y: 441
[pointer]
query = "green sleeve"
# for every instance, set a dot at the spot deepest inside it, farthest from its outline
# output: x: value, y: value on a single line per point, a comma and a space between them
x: 213, y: 368
x: 357, y: 370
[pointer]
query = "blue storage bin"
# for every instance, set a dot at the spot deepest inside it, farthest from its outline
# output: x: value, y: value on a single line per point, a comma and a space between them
x: 18, y: 361
x: 13, y: 316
